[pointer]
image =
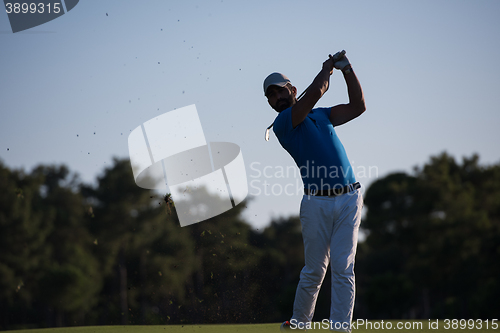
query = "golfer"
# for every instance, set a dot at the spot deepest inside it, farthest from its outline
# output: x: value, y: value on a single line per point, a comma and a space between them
x: 330, y: 211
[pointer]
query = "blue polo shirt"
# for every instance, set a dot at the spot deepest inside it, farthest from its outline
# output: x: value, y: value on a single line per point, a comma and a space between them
x: 316, y: 149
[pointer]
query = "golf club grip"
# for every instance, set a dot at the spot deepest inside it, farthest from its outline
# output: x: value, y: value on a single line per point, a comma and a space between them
x: 338, y: 55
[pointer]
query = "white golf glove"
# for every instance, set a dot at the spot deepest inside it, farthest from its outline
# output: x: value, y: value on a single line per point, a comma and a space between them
x: 342, y: 63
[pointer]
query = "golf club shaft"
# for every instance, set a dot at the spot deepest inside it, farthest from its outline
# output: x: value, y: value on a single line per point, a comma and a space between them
x: 335, y: 58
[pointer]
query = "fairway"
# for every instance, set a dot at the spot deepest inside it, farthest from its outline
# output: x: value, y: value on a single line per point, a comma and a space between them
x: 160, y: 329
x: 389, y: 325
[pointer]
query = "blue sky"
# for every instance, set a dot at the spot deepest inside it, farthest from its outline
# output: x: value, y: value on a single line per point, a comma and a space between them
x: 429, y: 70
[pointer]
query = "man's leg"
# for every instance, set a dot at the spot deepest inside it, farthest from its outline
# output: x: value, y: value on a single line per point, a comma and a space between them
x: 342, y: 255
x: 317, y: 226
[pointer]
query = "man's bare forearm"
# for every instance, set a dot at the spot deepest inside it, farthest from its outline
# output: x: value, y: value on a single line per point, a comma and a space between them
x: 321, y: 82
x: 314, y: 92
x: 342, y: 113
x: 355, y: 92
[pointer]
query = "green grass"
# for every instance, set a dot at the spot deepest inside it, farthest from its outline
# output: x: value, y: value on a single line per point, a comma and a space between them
x: 160, y: 329
x: 373, y: 326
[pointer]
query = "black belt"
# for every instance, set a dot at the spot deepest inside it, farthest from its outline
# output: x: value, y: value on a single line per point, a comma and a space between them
x: 333, y: 191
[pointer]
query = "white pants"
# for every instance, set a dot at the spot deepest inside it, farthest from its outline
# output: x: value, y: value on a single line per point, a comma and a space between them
x: 330, y: 232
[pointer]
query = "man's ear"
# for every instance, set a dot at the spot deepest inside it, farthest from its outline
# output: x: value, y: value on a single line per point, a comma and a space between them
x: 294, y: 91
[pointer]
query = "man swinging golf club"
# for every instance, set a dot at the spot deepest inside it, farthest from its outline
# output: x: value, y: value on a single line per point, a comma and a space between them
x: 330, y: 211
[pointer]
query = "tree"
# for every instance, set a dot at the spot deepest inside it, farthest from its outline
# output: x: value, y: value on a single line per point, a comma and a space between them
x: 433, y: 242
x: 45, y: 257
x: 70, y: 280
x: 143, y: 255
x: 221, y: 288
x: 23, y: 234
x: 278, y: 269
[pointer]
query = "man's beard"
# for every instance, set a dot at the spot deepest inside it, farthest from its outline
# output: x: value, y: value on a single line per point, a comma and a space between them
x: 283, y: 104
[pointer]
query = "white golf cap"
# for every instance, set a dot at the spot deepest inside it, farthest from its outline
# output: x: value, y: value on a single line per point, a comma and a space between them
x: 275, y: 79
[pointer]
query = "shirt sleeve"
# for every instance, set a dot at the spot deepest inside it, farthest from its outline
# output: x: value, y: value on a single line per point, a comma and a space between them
x: 326, y: 111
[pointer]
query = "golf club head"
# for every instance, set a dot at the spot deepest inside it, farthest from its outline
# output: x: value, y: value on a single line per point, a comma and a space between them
x: 268, y: 130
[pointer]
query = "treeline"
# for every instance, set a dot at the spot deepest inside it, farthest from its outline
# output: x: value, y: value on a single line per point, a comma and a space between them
x: 433, y: 245
x: 114, y: 253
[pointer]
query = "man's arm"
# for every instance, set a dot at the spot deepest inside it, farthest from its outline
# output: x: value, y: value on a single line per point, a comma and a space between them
x: 318, y: 87
x: 341, y: 114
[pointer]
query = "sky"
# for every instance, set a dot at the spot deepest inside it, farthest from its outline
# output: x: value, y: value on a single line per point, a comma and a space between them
x: 73, y: 89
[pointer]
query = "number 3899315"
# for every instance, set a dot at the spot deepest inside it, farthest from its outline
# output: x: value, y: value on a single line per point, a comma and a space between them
x: 470, y: 324
x: 32, y: 7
